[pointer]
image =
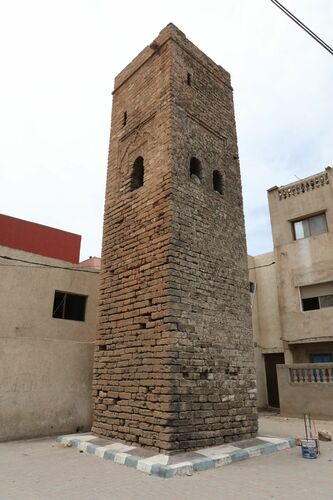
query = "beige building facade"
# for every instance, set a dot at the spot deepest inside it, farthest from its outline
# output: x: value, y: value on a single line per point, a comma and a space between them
x: 292, y: 299
x: 47, y: 334
x: 46, y: 355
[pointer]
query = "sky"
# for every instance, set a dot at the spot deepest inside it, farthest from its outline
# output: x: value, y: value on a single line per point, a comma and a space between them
x: 58, y: 61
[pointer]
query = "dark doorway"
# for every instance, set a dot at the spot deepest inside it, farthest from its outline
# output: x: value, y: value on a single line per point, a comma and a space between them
x: 271, y: 360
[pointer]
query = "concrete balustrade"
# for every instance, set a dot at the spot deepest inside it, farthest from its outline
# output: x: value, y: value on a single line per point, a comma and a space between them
x: 306, y: 388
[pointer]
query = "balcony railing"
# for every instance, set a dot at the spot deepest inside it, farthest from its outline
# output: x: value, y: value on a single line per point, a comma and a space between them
x: 303, y: 186
x: 311, y: 373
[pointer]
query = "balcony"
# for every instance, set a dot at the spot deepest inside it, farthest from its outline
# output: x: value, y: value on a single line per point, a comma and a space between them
x: 306, y: 388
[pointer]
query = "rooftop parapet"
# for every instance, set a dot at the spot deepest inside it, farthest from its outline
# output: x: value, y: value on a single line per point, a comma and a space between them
x: 303, y: 185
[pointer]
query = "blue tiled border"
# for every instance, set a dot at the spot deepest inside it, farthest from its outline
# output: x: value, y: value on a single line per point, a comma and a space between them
x: 183, y: 468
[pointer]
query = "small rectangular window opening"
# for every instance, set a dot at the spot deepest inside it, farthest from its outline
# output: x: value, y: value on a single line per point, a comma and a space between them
x: 189, y: 78
x: 125, y: 118
x: 326, y: 301
x: 310, y: 226
x: 310, y: 304
x: 69, y: 306
x: 317, y: 296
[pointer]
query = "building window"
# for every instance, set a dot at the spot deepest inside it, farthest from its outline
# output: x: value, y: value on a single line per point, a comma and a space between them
x: 317, y: 296
x: 325, y: 357
x: 310, y: 226
x: 69, y: 306
x: 195, y: 170
x: 252, y: 287
x: 125, y: 118
x: 217, y: 182
x: 189, y: 79
x: 137, y: 173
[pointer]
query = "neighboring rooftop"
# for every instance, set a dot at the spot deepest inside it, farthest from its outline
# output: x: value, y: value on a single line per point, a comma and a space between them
x: 303, y: 185
x: 94, y: 262
x: 38, y: 239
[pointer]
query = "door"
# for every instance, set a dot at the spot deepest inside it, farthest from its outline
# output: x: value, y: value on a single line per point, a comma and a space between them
x: 271, y: 360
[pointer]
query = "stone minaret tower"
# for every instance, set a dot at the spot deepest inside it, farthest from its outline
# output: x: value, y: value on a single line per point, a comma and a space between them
x: 174, y: 366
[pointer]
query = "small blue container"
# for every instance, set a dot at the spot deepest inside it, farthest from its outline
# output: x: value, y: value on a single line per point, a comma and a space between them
x: 310, y: 448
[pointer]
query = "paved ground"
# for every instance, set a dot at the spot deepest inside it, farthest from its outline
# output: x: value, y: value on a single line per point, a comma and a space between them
x: 42, y: 470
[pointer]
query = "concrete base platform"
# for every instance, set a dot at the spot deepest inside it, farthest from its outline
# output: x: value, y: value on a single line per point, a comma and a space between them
x: 167, y: 466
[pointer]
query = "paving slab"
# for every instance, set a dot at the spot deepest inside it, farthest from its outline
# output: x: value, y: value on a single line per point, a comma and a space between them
x: 167, y: 466
x: 40, y: 469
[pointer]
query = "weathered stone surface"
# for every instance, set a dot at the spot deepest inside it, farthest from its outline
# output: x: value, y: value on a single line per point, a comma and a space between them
x: 324, y: 436
x: 174, y: 363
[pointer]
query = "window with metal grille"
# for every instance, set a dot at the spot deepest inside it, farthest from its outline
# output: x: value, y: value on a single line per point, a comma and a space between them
x: 69, y: 306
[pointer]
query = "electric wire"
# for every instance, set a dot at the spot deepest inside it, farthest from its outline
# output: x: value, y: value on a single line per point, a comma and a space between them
x: 258, y: 267
x: 41, y: 265
x: 303, y: 26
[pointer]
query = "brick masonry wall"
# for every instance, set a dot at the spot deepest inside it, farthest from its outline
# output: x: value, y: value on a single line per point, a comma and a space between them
x: 174, y: 363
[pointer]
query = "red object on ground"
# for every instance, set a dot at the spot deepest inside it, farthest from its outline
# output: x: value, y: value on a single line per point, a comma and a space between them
x: 39, y: 239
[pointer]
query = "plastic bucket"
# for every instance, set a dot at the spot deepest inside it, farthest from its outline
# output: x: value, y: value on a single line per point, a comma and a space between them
x: 310, y: 448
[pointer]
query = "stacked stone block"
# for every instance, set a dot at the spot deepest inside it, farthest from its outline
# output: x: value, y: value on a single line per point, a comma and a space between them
x: 174, y: 366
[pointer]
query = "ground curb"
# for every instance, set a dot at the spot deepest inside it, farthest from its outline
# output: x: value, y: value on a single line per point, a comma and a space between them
x: 152, y: 466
